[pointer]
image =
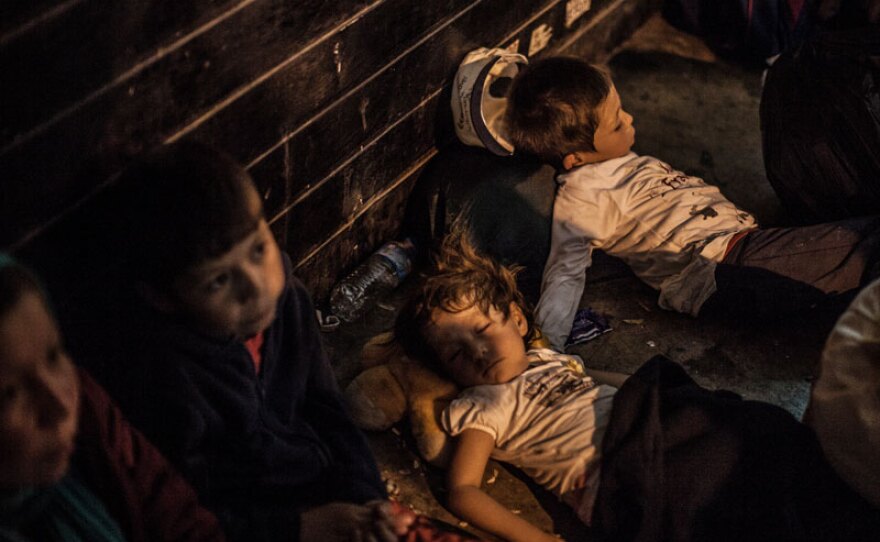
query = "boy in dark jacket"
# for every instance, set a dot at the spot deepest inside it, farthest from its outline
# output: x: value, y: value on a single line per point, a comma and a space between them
x: 220, y: 362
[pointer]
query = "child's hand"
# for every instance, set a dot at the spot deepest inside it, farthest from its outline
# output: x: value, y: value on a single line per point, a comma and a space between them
x: 395, y: 516
x: 344, y: 522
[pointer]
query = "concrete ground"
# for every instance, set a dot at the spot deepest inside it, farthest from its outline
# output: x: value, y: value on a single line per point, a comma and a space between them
x: 700, y: 114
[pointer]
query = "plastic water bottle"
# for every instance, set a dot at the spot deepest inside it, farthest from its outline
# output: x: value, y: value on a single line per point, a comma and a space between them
x: 372, y: 280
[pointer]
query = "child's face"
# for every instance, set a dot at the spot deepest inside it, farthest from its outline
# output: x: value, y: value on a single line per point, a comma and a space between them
x: 614, y: 135
x: 233, y: 295
x: 39, y: 397
x: 479, y: 348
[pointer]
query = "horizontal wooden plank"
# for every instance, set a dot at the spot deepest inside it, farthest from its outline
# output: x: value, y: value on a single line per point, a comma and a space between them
x: 343, y: 195
x: 343, y: 251
x: 117, y: 125
x: 311, y: 154
x: 610, y: 23
x: 15, y: 14
x: 175, y: 87
x: 365, y: 113
x: 272, y: 179
x: 270, y: 111
x: 140, y: 114
x: 594, y: 33
x: 58, y: 62
x: 343, y: 127
x: 553, y: 32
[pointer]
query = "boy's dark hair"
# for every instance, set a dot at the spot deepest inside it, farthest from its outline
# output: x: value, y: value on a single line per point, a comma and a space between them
x: 15, y: 281
x: 182, y: 205
x: 459, y: 277
x: 552, y: 110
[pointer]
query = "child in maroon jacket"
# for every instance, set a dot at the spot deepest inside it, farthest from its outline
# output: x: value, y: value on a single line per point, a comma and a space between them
x: 71, y: 468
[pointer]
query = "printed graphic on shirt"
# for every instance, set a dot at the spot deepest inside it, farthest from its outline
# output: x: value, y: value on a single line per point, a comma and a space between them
x: 674, y: 182
x: 671, y: 179
x: 705, y: 212
x: 549, y: 388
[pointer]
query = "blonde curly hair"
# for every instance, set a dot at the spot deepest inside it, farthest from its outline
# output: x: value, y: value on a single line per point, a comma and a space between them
x: 458, y: 278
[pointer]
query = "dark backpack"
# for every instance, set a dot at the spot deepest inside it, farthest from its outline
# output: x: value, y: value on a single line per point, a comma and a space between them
x: 820, y: 124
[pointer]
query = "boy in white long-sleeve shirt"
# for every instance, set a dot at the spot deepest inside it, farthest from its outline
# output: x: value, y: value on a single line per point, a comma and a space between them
x: 678, y: 234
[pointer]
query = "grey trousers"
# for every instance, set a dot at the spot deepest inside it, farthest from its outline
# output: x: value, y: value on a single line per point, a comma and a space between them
x: 777, y: 270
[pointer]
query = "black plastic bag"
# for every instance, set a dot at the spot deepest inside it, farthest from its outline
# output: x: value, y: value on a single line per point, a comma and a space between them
x: 820, y: 123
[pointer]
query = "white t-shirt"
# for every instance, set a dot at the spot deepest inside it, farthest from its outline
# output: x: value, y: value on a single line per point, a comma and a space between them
x: 844, y: 407
x: 670, y: 228
x: 549, y: 422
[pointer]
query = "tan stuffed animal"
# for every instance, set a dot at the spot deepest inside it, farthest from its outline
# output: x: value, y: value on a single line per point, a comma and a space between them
x: 394, y: 385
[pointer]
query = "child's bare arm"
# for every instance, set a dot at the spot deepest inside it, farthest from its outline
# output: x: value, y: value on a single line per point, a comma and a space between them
x: 472, y: 450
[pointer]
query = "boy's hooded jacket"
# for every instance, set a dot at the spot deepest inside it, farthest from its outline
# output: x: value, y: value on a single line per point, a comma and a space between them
x: 258, y: 448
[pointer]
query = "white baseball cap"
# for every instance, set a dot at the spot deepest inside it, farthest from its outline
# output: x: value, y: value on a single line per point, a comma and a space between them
x: 479, y: 98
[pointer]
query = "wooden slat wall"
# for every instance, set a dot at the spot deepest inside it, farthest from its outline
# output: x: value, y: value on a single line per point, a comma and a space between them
x: 334, y: 106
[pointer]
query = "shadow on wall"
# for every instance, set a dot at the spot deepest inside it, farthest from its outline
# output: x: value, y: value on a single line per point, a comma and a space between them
x: 506, y: 201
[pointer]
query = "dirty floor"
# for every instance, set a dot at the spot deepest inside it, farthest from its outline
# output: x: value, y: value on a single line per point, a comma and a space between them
x: 700, y: 114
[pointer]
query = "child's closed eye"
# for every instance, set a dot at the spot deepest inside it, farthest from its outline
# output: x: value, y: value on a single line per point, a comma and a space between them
x: 483, y: 328
x: 454, y: 356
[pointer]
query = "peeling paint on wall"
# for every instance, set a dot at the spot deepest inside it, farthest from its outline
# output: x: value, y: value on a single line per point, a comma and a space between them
x: 363, y: 109
x: 574, y: 9
x: 337, y: 57
x: 541, y: 36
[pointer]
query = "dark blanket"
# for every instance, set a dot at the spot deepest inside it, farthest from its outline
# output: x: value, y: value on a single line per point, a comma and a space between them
x: 681, y: 462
